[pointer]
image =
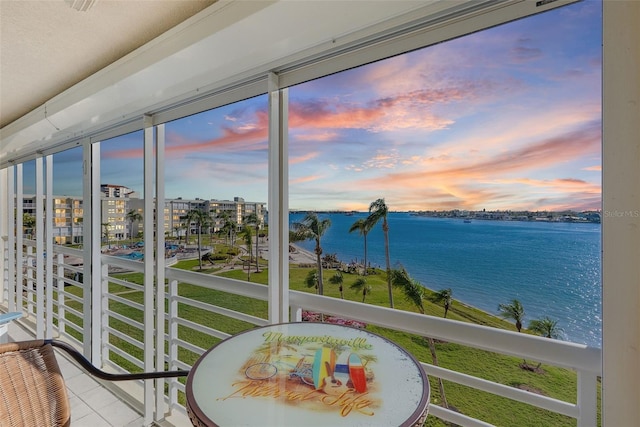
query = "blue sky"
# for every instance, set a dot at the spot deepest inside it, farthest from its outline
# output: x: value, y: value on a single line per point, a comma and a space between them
x: 507, y: 118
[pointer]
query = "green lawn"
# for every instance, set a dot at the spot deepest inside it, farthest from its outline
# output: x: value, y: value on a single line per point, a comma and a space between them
x: 553, y: 382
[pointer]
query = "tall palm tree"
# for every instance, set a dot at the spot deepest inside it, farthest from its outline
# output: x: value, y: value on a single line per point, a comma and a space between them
x: 546, y: 327
x: 186, y: 221
x: 229, y: 226
x: 28, y: 224
x: 200, y: 218
x: 255, y: 220
x: 363, y: 226
x: 247, y: 235
x: 414, y: 292
x: 78, y: 220
x: 513, y: 310
x: 226, y: 226
x: 443, y: 296
x: 105, y: 232
x: 360, y: 285
x: 133, y: 216
x: 378, y: 210
x: 337, y: 279
x: 312, y: 279
x: 312, y: 228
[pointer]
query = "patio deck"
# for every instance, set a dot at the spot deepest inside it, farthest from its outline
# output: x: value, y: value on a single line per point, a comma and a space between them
x: 92, y: 405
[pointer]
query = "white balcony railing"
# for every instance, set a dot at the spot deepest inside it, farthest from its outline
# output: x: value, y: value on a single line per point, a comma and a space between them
x: 122, y: 327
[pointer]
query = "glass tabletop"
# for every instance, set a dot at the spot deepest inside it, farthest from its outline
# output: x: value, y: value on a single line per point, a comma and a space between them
x: 307, y: 374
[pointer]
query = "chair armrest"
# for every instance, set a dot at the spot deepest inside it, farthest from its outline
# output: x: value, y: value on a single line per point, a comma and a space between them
x: 88, y: 366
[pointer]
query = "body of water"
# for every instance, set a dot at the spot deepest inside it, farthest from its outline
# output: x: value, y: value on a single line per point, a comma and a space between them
x: 554, y: 269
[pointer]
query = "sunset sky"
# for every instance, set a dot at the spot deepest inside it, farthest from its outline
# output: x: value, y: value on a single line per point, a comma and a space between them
x: 507, y: 118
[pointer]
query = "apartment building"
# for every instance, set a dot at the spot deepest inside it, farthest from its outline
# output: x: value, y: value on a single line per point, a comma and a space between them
x: 236, y: 210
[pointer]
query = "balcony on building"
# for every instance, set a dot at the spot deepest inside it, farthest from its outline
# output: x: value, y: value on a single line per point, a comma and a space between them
x: 68, y: 287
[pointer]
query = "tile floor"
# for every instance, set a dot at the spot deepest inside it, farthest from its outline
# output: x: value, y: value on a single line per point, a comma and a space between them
x: 91, y: 404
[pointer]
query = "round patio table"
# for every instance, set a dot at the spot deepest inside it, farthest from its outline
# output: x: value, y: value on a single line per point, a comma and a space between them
x: 307, y: 374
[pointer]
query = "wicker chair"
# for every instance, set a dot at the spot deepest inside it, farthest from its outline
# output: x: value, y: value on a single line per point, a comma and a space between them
x: 32, y: 390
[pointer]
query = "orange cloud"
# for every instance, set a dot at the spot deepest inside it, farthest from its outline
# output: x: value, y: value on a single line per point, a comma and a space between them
x: 304, y: 158
x: 241, y: 137
x: 494, y: 181
x: 412, y: 110
x: 304, y: 179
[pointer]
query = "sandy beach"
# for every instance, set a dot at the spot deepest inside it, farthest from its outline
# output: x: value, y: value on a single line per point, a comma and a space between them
x: 297, y: 256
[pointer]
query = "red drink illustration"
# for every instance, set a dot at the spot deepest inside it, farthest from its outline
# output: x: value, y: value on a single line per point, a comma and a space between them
x: 356, y: 373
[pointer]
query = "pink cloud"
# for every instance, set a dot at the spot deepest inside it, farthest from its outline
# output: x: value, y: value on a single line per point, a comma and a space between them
x: 499, y: 180
x: 241, y: 137
x: 305, y: 179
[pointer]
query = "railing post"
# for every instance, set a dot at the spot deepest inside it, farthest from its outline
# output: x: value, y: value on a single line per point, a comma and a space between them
x: 61, y: 303
x: 587, y: 399
x: 296, y: 313
x: 173, y: 336
x: 19, y: 238
x: 12, y: 265
x: 149, y: 274
x: 160, y: 272
x: 48, y: 242
x: 103, y: 306
x: 30, y: 264
x: 40, y: 249
x: 5, y: 226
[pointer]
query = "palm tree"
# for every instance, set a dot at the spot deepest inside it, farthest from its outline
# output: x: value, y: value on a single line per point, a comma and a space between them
x: 200, y: 218
x: 360, y: 285
x: 255, y: 220
x: 514, y: 310
x: 378, y: 210
x: 187, y: 227
x: 546, y: 327
x: 443, y: 296
x: 312, y: 279
x: 363, y: 226
x: 414, y: 292
x: 133, y: 216
x: 312, y: 228
x: 247, y: 234
x: 78, y: 220
x: 337, y: 279
x: 105, y: 232
x: 28, y: 223
x: 229, y: 226
x: 226, y: 227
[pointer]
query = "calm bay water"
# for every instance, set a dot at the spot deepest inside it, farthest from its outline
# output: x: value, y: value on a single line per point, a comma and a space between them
x: 552, y: 268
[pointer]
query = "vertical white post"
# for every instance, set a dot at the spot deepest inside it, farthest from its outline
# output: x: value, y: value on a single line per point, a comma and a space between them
x: 7, y: 234
x: 103, y: 310
x: 92, y: 208
x: 149, y: 308
x: 587, y: 399
x: 173, y: 336
x: 61, y: 303
x: 19, y: 201
x: 49, y: 236
x: 278, y: 202
x: 12, y: 231
x: 160, y: 263
x: 30, y: 265
x: 40, y: 229
x: 621, y: 214
x: 4, y: 238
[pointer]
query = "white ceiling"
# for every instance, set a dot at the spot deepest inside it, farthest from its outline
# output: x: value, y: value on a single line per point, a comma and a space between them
x: 68, y: 75
x: 47, y: 47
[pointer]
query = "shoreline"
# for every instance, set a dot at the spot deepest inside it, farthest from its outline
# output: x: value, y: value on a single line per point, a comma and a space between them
x: 299, y: 256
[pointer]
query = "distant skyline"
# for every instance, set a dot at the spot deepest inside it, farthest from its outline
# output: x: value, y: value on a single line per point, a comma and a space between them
x: 504, y: 119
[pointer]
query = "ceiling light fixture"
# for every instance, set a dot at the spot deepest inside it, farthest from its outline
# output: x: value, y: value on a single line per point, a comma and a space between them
x: 81, y: 5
